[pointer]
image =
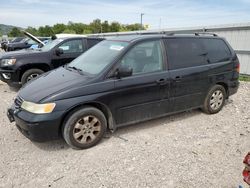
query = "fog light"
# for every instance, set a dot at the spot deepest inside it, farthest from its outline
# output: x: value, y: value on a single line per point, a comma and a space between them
x: 6, y: 76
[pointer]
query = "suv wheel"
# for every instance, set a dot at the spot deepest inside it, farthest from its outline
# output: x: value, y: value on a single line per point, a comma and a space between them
x: 84, y: 128
x: 30, y: 75
x: 215, y: 100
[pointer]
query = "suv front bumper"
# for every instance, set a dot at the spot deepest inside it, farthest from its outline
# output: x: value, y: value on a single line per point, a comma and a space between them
x: 9, y: 76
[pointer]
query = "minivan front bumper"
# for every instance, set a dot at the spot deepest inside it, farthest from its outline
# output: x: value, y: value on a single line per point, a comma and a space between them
x: 36, y: 127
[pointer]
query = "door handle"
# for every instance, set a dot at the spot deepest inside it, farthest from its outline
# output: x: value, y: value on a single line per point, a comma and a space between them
x: 161, y: 81
x: 177, y: 79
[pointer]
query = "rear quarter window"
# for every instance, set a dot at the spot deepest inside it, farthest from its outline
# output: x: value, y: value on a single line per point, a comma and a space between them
x: 184, y: 53
x: 92, y: 42
x: 217, y: 50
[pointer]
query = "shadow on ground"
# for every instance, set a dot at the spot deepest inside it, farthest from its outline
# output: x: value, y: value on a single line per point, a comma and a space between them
x: 60, y: 144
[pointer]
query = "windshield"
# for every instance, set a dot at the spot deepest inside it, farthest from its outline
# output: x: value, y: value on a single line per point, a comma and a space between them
x: 98, y: 57
x: 51, y: 44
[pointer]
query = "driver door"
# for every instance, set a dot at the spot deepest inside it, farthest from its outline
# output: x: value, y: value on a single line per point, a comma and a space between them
x: 142, y: 95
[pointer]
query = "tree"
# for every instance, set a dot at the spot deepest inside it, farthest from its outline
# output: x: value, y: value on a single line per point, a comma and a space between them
x: 105, y: 27
x: 59, y: 28
x: 15, y: 32
x: 68, y: 31
x: 45, y: 31
x: 96, y: 26
x: 115, y: 27
x: 32, y: 30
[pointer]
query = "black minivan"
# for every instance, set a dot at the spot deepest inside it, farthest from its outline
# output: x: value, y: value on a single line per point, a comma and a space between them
x: 125, y: 80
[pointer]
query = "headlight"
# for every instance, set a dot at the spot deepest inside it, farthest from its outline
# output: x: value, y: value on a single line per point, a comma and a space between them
x: 8, y: 62
x: 38, y: 108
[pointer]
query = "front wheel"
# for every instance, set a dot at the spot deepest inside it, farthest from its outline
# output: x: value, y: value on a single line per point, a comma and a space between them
x: 30, y: 75
x: 84, y: 128
x: 215, y: 100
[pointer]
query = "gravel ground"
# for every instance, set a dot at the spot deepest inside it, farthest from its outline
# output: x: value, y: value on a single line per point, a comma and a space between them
x: 189, y: 149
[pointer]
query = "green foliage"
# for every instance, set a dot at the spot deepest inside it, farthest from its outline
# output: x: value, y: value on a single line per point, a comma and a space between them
x: 245, y: 78
x: 96, y: 26
x: 15, y: 32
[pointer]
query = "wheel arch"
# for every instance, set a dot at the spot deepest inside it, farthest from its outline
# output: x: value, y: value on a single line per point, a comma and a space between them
x: 102, y: 107
x: 43, y: 66
x: 223, y: 84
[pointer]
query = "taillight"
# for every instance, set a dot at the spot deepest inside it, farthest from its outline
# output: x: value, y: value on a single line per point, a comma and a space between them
x: 238, y: 68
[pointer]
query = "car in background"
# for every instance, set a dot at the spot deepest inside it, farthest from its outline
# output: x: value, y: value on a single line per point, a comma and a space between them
x: 17, y: 68
x: 25, y: 43
x: 4, y: 44
x: 126, y: 80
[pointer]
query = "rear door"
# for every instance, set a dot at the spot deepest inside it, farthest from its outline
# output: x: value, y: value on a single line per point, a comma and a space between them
x: 188, y: 69
x: 71, y: 49
x: 141, y: 96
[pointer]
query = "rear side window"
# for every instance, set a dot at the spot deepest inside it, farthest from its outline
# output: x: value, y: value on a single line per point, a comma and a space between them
x: 184, y: 52
x: 217, y: 50
x: 92, y: 42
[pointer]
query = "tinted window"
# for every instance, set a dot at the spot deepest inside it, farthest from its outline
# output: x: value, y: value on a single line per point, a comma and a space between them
x: 92, y: 42
x: 184, y: 52
x: 72, y: 46
x: 144, y: 57
x: 217, y: 50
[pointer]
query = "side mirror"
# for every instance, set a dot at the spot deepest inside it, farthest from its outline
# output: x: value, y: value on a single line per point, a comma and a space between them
x: 123, y: 71
x: 59, y: 51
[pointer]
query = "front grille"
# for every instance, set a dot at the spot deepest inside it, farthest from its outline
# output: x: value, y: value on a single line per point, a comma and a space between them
x: 18, y: 101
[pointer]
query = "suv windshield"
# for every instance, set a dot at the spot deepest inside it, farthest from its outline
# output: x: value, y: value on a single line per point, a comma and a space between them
x: 98, y: 57
x: 51, y: 44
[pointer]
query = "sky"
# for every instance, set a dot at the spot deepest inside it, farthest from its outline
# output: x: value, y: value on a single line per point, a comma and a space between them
x: 158, y: 14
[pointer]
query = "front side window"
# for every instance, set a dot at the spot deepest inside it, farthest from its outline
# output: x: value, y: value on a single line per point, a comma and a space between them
x: 73, y: 46
x: 144, y: 57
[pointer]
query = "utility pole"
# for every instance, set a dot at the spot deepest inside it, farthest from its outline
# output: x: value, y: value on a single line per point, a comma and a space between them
x: 142, y: 14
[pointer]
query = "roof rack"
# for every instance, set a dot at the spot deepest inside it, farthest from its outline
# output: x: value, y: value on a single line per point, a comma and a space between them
x: 154, y: 33
x: 205, y: 33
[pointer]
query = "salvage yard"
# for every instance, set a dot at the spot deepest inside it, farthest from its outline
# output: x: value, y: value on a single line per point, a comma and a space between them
x: 189, y: 149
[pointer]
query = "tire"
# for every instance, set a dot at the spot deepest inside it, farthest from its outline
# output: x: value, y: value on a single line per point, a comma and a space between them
x: 214, y: 100
x: 27, y: 76
x: 84, y: 128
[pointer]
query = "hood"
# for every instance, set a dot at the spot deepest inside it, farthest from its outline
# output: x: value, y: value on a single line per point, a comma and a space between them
x: 50, y: 83
x: 33, y: 38
x: 22, y: 53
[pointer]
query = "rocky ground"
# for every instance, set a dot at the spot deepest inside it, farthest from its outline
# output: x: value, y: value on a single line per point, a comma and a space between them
x: 189, y: 149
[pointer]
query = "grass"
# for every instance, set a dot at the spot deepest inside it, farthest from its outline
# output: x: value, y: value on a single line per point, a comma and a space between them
x: 244, y: 78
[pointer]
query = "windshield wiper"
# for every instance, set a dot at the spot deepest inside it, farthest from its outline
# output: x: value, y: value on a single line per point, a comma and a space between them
x: 74, y: 68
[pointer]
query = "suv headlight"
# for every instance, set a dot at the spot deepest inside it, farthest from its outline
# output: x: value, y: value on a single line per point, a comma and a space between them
x: 38, y: 108
x: 8, y: 62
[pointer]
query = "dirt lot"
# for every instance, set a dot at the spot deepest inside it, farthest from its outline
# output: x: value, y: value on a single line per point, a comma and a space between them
x: 190, y: 149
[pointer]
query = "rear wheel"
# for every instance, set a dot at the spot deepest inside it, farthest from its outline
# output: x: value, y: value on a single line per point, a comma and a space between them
x: 215, y: 100
x: 84, y: 128
x: 30, y: 75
